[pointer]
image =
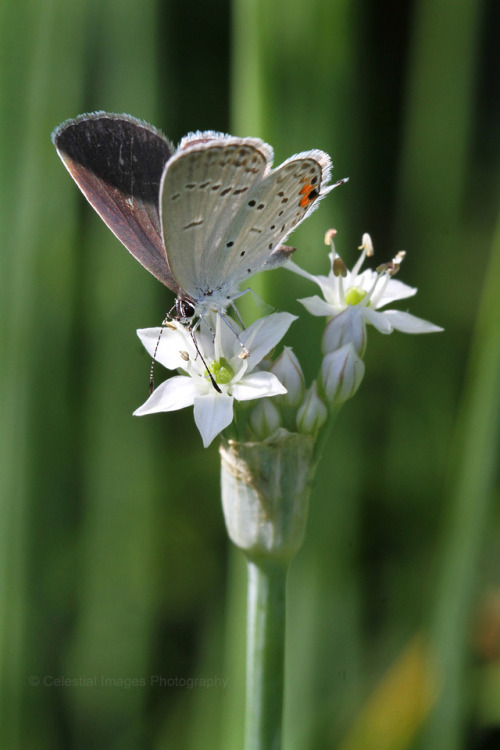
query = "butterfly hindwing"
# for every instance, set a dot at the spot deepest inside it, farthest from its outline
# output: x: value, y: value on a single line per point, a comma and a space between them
x: 117, y: 162
x: 274, y: 208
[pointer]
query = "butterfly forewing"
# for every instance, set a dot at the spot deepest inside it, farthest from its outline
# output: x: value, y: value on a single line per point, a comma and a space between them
x: 117, y: 162
x: 205, y: 187
x: 273, y: 209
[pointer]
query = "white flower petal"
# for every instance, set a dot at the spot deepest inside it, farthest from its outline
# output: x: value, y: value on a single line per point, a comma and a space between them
x: 170, y: 342
x: 393, y: 291
x: 300, y: 271
x: 317, y: 306
x: 212, y: 414
x: 264, y: 334
x: 227, y: 338
x: 175, y: 393
x: 364, y: 280
x: 407, y: 323
x: 330, y: 287
x: 327, y: 284
x: 378, y: 320
x: 257, y: 385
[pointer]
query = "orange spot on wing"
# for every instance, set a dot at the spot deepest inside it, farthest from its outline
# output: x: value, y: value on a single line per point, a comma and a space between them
x: 306, y: 192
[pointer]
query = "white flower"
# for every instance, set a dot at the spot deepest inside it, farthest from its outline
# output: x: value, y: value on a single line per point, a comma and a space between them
x: 234, y: 375
x: 355, y: 298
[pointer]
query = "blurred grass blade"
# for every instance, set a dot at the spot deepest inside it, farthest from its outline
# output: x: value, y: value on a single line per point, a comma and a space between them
x: 285, y: 73
x: 112, y: 637
x: 473, y: 472
x: 31, y: 474
x: 439, y: 112
x: 398, y: 706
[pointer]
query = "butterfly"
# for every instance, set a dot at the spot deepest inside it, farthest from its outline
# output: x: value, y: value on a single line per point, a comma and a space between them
x: 202, y: 217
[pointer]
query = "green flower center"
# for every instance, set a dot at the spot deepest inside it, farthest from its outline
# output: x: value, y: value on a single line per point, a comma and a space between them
x: 222, y: 371
x: 354, y: 296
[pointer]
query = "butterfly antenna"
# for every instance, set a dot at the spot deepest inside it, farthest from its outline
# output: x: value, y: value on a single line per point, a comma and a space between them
x: 152, y: 370
x: 167, y: 318
x: 212, y: 379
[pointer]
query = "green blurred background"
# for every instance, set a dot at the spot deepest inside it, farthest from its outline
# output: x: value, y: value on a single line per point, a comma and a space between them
x: 114, y: 564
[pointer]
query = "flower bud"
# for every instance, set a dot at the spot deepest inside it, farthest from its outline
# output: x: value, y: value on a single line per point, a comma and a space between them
x: 265, y: 493
x: 312, y: 412
x: 289, y: 372
x: 265, y: 418
x: 348, y: 327
x: 341, y: 374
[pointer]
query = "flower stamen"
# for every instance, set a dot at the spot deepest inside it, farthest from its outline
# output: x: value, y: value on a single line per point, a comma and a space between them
x: 367, y: 252
x: 339, y: 268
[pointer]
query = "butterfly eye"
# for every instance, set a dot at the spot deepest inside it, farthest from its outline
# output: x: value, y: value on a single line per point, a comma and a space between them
x: 183, y: 308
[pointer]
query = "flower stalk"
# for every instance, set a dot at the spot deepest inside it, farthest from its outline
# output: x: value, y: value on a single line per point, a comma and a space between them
x: 265, y: 653
x: 265, y: 497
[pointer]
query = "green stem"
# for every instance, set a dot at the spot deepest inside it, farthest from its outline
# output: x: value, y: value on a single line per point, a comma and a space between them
x: 265, y: 654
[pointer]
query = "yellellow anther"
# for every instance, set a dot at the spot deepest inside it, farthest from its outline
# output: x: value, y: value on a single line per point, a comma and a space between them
x: 367, y: 245
x: 329, y: 235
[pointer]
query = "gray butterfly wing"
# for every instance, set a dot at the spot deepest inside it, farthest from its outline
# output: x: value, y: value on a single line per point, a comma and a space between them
x: 225, y: 213
x: 117, y: 162
x: 273, y: 209
x: 204, y: 186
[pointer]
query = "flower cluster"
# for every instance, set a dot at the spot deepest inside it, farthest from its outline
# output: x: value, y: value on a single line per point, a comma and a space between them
x: 218, y: 365
x: 207, y: 359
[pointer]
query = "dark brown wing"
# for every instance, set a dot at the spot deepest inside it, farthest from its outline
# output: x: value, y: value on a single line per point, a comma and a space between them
x: 117, y: 162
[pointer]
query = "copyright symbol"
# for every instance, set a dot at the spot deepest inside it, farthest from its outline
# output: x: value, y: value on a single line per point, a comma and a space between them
x: 34, y: 681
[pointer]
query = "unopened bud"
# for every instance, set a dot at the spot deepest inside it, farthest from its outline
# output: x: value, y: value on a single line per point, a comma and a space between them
x: 341, y: 374
x: 265, y: 418
x: 265, y: 493
x: 312, y: 413
x: 348, y: 327
x: 289, y: 372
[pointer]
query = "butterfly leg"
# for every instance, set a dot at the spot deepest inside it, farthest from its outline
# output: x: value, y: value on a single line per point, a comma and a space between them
x: 237, y: 312
x: 244, y: 354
